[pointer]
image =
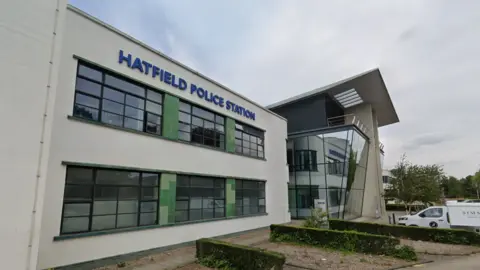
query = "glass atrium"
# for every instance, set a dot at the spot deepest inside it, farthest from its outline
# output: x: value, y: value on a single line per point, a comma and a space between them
x: 329, y: 168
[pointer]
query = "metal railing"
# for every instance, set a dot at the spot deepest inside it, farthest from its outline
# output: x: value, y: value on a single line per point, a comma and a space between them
x: 347, y: 119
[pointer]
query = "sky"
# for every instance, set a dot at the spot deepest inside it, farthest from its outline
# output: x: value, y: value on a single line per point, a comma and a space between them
x: 427, y: 51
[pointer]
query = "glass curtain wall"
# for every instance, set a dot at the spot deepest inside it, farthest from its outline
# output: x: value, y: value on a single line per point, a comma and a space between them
x: 329, y: 168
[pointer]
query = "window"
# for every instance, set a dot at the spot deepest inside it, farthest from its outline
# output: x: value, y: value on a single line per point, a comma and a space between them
x: 385, y: 179
x: 250, y: 197
x: 334, y: 166
x: 111, y: 99
x: 306, y: 160
x: 102, y: 199
x: 201, y: 126
x: 432, y: 213
x: 199, y: 198
x: 249, y: 141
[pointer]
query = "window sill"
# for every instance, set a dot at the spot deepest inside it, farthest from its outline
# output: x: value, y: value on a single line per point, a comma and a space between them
x: 74, y: 118
x: 132, y: 229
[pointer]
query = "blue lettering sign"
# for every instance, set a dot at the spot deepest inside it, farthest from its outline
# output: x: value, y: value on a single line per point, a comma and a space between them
x: 335, y: 153
x: 180, y: 83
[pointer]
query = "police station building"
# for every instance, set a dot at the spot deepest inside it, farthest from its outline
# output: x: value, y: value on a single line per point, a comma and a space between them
x: 111, y: 148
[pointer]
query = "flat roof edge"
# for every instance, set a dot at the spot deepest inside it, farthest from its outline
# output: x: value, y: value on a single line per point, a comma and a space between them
x: 146, y: 46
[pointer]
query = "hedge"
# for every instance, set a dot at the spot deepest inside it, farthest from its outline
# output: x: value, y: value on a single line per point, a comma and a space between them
x: 446, y: 236
x: 223, y: 255
x: 342, y: 240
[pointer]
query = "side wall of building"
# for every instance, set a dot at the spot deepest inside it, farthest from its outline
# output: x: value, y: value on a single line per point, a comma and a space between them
x: 77, y: 141
x: 29, y: 38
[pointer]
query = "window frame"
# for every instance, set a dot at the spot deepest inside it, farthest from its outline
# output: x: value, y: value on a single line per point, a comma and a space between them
x: 258, y: 188
x: 102, y: 98
x: 93, y: 185
x: 305, y: 160
x: 243, y: 129
x: 221, y: 142
x: 189, y: 188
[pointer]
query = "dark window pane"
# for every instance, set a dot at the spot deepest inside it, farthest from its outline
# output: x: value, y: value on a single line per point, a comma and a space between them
x: 126, y: 220
x: 195, y: 214
x: 220, y: 119
x: 183, y: 181
x: 124, y: 85
x: 154, y: 96
x: 135, y: 102
x: 261, y: 209
x: 113, y: 95
x: 79, y: 175
x: 185, y: 107
x: 154, y: 119
x: 87, y: 101
x: 148, y: 218
x: 197, y: 121
x: 127, y: 207
x: 148, y: 207
x: 106, y: 193
x: 246, y: 137
x: 207, y: 214
x: 246, y: 151
x: 220, y: 128
x: 196, y: 202
x: 219, y: 183
x: 149, y: 193
x: 239, y: 211
x: 103, y: 222
x: 128, y: 193
x: 219, y: 203
x: 238, y: 201
x: 238, y: 134
x: 197, y: 139
x: 220, y: 144
x: 250, y: 184
x: 76, y: 209
x: 104, y: 207
x: 184, y: 127
x: 209, y: 141
x: 133, y: 124
x: 152, y: 128
x: 150, y: 179
x: 133, y: 113
x: 182, y: 193
x: 113, y: 107
x: 181, y: 216
x: 197, y: 130
x: 112, y: 119
x: 90, y: 73
x: 154, y: 107
x: 203, y: 113
x: 238, y: 149
x: 201, y: 182
x: 88, y: 87
x: 85, y: 112
x: 184, y: 136
x: 208, y: 125
x: 77, y: 224
x: 78, y: 193
x: 207, y: 203
x: 184, y: 117
x: 111, y: 177
x: 238, y: 184
x: 219, y: 212
x: 181, y: 205
x: 219, y: 193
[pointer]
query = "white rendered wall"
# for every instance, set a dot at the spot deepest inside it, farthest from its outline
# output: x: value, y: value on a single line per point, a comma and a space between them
x: 28, y: 70
x: 87, y: 143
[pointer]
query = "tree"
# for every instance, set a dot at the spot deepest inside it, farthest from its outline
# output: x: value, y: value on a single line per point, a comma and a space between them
x: 476, y: 183
x: 416, y: 183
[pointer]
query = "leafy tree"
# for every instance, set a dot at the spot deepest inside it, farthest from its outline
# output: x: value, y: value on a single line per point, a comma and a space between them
x: 476, y: 183
x: 416, y: 183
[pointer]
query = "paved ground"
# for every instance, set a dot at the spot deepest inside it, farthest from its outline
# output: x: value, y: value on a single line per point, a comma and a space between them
x: 464, y: 263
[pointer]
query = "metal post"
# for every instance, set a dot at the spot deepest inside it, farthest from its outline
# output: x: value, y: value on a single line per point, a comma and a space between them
x: 394, y: 219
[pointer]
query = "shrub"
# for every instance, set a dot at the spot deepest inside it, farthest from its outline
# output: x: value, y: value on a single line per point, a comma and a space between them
x: 318, y: 219
x: 446, y: 236
x: 223, y: 255
x: 342, y: 240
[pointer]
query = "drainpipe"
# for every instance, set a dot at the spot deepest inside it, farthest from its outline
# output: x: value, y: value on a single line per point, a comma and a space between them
x: 30, y: 255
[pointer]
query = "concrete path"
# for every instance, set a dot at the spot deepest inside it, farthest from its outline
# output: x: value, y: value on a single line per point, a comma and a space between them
x: 465, y: 263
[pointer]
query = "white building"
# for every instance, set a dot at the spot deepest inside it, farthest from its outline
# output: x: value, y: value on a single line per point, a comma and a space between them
x: 129, y: 150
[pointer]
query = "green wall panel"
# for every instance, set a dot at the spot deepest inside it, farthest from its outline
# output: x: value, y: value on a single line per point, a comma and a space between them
x: 168, y: 190
x: 230, y: 197
x: 230, y: 133
x: 171, y: 106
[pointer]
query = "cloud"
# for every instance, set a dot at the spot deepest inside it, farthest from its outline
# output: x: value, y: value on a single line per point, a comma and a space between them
x: 270, y: 50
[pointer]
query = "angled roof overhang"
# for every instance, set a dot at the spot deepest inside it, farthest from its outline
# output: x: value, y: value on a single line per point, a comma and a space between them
x: 365, y: 88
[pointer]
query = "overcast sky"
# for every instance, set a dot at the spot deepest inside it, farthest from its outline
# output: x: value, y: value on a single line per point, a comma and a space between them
x: 428, y: 53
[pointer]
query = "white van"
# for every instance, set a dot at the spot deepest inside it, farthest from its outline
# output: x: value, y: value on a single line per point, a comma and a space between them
x: 453, y: 215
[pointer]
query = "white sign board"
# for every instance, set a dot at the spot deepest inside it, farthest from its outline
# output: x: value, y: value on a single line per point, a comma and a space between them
x: 320, y: 203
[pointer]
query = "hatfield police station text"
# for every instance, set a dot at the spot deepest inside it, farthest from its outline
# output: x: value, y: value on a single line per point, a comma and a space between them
x: 180, y: 83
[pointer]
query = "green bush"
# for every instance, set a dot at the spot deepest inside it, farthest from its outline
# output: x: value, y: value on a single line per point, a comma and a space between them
x: 318, y: 219
x: 342, y: 240
x: 446, y: 236
x: 223, y: 255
